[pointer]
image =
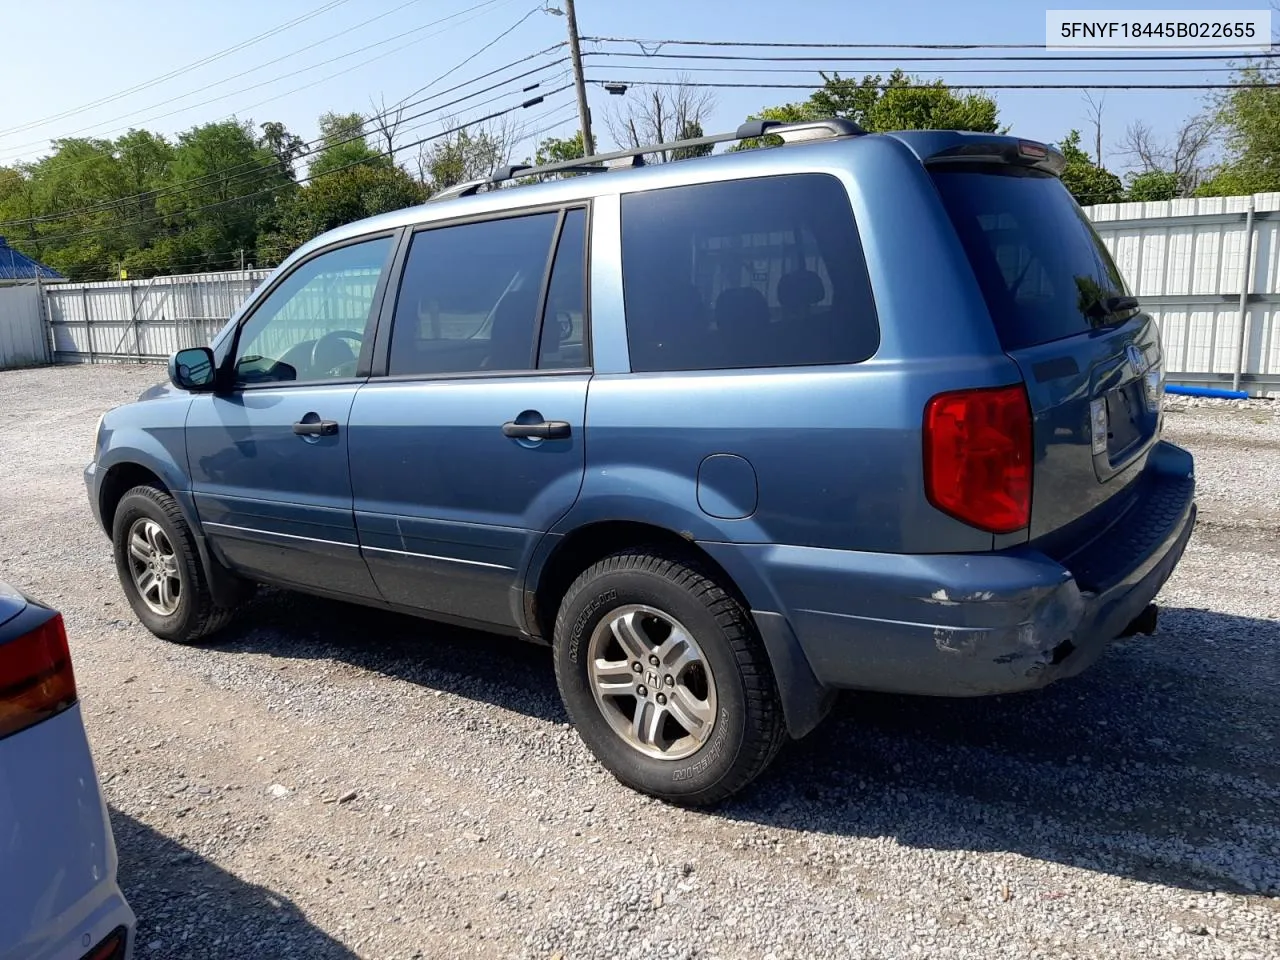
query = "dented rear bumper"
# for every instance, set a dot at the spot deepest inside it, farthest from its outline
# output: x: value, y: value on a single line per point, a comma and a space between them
x: 960, y: 625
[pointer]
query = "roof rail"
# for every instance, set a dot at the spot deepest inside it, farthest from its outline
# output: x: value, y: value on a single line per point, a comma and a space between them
x: 634, y: 156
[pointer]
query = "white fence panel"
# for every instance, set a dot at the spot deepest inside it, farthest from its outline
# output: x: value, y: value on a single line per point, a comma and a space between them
x: 143, y: 319
x: 23, y: 337
x: 1189, y: 261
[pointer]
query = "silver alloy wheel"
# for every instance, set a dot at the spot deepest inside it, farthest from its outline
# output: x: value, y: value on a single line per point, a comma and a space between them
x: 652, y: 682
x: 154, y: 565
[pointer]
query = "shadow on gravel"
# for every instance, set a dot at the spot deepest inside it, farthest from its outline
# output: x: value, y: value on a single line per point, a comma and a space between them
x: 189, y: 908
x: 1161, y: 763
x: 506, y: 671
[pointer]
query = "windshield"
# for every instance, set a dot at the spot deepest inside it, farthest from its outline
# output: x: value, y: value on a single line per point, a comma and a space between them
x: 1042, y: 268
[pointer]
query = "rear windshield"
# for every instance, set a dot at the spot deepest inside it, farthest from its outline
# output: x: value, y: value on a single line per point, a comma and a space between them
x: 1043, y: 270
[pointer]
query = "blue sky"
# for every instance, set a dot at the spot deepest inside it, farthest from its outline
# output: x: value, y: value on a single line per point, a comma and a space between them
x: 79, y: 51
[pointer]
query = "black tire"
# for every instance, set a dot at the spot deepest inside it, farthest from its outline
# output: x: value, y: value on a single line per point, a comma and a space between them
x: 196, y: 615
x: 749, y: 727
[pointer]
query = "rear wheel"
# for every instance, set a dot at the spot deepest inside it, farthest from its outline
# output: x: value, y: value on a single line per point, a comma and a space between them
x: 160, y: 570
x: 665, y: 678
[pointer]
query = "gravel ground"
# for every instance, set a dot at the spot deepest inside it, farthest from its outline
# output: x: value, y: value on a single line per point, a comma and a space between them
x: 328, y: 782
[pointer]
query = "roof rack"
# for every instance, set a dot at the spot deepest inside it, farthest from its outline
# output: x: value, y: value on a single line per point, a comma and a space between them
x: 634, y: 156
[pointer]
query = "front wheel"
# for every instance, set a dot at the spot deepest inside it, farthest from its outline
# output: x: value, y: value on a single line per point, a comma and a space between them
x: 160, y: 570
x: 665, y: 678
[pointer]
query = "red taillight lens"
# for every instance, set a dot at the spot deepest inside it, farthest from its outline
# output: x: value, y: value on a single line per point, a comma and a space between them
x: 36, y: 679
x: 977, y: 457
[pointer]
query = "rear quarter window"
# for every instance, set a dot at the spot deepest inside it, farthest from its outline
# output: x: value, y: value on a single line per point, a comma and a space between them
x: 762, y: 272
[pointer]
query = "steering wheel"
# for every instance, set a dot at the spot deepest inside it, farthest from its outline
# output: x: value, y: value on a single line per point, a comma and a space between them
x: 318, y: 360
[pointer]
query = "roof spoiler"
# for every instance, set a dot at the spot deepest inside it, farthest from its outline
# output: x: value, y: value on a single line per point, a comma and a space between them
x: 1022, y: 153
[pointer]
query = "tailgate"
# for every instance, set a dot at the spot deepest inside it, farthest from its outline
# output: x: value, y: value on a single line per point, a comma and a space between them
x: 1091, y: 360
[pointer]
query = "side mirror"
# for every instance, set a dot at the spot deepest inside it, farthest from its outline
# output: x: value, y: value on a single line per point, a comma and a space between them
x: 193, y: 369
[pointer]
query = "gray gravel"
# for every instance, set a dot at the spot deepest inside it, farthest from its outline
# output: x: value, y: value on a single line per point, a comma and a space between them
x: 330, y: 782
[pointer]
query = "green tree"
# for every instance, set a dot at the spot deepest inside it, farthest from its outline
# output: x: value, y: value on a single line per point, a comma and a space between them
x: 1152, y: 185
x: 144, y: 160
x: 1249, y: 117
x: 75, y: 193
x: 1089, y: 183
x: 224, y: 181
x: 344, y: 144
x: 555, y: 150
x: 558, y: 150
x: 287, y: 147
x: 332, y: 200
x: 878, y: 104
x: 691, y: 130
x: 466, y: 154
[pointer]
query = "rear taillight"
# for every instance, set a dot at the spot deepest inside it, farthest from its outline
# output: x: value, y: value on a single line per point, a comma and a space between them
x: 977, y: 457
x: 112, y: 948
x: 36, y: 679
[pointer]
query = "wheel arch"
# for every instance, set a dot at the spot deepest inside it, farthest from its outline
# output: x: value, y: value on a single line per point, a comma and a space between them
x: 119, y: 479
x: 805, y: 702
x: 124, y: 473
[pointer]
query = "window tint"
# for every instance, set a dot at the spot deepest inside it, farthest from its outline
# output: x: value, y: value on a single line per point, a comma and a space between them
x: 312, y: 325
x: 1043, y: 271
x: 747, y: 273
x: 470, y: 296
x: 564, y: 344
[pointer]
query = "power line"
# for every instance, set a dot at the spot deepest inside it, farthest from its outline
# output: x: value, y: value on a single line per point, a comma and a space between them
x: 283, y: 76
x: 307, y: 179
x: 834, y: 46
x: 644, y: 44
x: 970, y: 86
x: 463, y: 63
x: 827, y: 58
x: 180, y: 70
x: 253, y: 168
x: 983, y: 70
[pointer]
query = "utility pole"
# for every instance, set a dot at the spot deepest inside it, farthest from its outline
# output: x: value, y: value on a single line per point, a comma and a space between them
x: 584, y: 112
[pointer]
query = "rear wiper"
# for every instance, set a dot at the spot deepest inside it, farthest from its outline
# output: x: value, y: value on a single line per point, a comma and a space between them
x: 1120, y: 304
x: 1110, y: 306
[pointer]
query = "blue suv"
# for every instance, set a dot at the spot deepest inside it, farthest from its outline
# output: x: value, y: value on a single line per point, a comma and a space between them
x: 729, y: 434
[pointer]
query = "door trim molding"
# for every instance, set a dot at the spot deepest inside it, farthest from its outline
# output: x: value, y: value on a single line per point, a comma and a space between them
x: 256, y: 533
x: 428, y: 556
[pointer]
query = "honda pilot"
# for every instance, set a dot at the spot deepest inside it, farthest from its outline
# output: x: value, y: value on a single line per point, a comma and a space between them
x: 729, y: 434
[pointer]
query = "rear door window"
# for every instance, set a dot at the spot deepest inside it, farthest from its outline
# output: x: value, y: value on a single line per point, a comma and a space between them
x: 1043, y: 270
x: 761, y: 272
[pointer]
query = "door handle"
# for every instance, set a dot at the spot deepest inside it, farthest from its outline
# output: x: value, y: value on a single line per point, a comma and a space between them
x: 546, y: 430
x: 317, y: 428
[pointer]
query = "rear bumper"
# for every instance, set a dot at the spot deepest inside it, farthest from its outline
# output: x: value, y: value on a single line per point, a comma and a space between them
x: 58, y: 890
x: 960, y: 625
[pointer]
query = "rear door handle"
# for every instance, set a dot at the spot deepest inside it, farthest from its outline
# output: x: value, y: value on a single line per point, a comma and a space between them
x: 316, y: 428
x: 546, y: 430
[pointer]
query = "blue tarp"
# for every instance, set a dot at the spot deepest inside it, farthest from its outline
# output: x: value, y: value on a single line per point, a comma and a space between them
x: 18, y: 266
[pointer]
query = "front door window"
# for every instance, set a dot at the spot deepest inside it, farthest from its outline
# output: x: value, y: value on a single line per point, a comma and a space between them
x: 311, y: 327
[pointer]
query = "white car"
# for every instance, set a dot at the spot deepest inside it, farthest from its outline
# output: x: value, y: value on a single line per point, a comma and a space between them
x: 59, y: 899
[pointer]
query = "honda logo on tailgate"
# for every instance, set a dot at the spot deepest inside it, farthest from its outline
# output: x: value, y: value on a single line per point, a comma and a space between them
x: 1137, y: 359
